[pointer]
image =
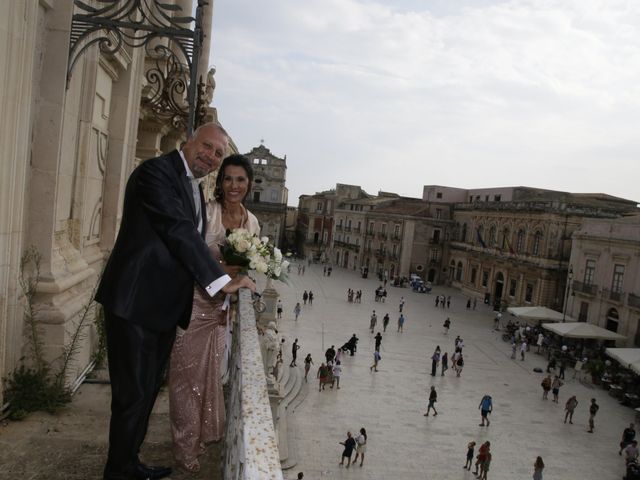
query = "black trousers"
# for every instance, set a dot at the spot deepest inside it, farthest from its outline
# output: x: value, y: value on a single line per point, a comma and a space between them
x: 137, y: 361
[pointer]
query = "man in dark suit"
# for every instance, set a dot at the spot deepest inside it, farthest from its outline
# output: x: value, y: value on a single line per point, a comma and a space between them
x: 147, y: 286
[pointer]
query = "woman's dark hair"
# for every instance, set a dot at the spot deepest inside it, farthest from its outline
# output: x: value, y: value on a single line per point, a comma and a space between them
x: 364, y: 432
x: 236, y: 160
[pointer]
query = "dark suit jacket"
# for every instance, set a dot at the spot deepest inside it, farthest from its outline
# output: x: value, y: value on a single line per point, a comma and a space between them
x: 149, y: 277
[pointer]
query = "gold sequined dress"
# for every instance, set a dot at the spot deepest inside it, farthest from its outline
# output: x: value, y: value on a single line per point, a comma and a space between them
x: 196, y: 402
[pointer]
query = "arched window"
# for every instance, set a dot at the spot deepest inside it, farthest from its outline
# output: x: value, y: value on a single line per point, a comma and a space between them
x: 463, y: 236
x: 452, y: 270
x: 480, y: 238
x: 520, y: 241
x: 537, y: 240
x: 459, y: 272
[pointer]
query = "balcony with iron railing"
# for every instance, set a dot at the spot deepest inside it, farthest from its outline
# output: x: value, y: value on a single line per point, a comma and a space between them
x: 250, y: 440
x: 369, y: 233
x: 612, y: 296
x: 356, y: 230
x: 581, y: 287
x: 347, y: 228
x: 339, y: 227
x: 382, y: 235
x: 396, y: 237
x: 633, y: 300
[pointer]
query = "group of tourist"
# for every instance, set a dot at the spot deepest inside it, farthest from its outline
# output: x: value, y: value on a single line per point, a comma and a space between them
x: 354, y: 297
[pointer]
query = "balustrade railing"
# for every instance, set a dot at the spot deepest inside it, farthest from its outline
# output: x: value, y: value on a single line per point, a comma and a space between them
x: 251, y: 448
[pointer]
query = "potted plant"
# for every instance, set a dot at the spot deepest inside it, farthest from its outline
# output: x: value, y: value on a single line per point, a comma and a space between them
x: 596, y: 368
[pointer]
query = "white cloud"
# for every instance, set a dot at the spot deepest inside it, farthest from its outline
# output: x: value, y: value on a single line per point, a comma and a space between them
x: 391, y: 96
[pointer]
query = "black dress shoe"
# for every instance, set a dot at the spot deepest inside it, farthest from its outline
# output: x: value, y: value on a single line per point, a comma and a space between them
x: 144, y: 472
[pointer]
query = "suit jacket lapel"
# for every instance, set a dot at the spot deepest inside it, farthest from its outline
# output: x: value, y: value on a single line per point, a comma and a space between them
x: 203, y: 209
x: 187, y: 190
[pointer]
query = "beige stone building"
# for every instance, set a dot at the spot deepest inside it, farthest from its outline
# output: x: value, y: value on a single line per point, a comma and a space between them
x: 70, y: 138
x: 391, y: 236
x: 269, y: 194
x: 511, y: 246
x: 605, y: 269
x: 315, y: 225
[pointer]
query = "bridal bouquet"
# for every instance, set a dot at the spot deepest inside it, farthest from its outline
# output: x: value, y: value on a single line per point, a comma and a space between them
x: 250, y: 252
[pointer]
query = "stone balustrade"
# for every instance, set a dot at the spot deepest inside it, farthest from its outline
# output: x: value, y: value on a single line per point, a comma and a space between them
x: 251, y: 449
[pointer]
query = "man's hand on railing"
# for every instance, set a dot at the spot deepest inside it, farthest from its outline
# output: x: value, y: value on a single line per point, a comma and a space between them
x: 237, y: 283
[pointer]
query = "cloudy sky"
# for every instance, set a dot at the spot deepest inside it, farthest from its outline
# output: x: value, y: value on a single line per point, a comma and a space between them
x: 393, y: 95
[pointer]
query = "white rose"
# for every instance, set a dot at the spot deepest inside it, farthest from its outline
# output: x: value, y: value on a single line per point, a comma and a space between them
x: 243, y: 245
x: 277, y: 254
x: 264, y: 240
x: 262, y: 267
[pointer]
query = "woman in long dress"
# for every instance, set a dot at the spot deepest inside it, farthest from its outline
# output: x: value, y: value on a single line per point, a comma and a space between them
x: 197, y: 411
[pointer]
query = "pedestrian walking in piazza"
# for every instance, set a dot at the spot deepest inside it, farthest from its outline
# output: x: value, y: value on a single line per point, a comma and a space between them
x: 481, y: 457
x: 538, y: 467
x: 322, y: 376
x: 401, y: 306
x: 459, y: 364
x: 279, y: 308
x: 468, y: 304
x: 443, y: 302
x: 338, y: 357
x: 546, y: 386
x: 294, y: 353
x: 305, y: 297
x: 308, y: 361
x: 447, y: 326
x: 496, y: 321
x: 435, y: 359
x: 296, y: 310
x: 337, y: 373
x: 324, y: 271
x: 449, y: 301
x: 593, y: 410
x: 330, y: 354
x: 523, y: 349
x: 376, y: 359
x: 514, y: 349
x: 304, y: 268
x: 361, y: 446
x: 359, y: 296
x: 475, y: 303
x: 485, y: 407
x: 471, y: 446
x: 459, y: 344
x: 433, y: 398
x: 445, y: 362
x: 563, y: 366
x: 349, y: 444
x: 555, y: 387
x: 401, y: 323
x: 385, y: 322
x: 539, y: 343
x: 569, y: 408
x: 378, y: 339
x: 374, y: 320
x: 437, y: 300
x: 628, y: 436
x: 310, y: 297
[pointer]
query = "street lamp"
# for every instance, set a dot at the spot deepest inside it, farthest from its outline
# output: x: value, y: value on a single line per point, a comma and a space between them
x: 566, y: 292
